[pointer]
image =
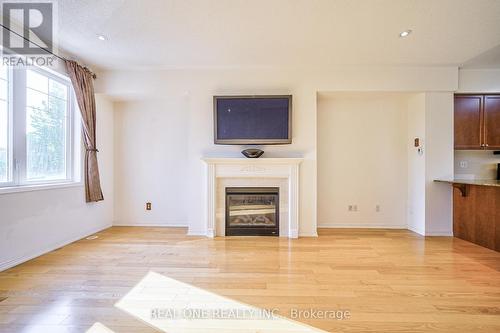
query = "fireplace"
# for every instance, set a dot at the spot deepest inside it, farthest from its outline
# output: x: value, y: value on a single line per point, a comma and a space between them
x: 282, y: 173
x: 252, y: 211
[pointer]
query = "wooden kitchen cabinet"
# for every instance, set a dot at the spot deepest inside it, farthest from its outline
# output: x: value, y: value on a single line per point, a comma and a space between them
x: 477, y: 122
x: 468, y: 121
x: 492, y: 121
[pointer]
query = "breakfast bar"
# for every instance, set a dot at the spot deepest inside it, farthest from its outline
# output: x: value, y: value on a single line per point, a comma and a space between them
x: 476, y: 211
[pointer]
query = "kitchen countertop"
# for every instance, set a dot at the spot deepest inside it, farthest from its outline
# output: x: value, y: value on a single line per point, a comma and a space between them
x: 477, y: 182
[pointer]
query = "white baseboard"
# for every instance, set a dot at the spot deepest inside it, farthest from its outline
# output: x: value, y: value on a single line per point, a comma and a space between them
x: 149, y: 224
x: 363, y: 226
x: 419, y: 231
x: 192, y: 232
x: 308, y: 234
x: 14, y: 262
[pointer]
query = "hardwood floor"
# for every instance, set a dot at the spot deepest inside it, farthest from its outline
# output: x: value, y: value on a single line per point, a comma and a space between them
x: 385, y: 280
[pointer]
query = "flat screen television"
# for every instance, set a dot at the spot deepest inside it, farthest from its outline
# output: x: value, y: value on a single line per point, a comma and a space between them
x: 260, y: 120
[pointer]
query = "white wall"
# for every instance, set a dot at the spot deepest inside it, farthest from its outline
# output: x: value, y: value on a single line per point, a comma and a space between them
x: 138, y: 88
x: 33, y: 223
x: 479, y: 80
x: 362, y: 159
x: 151, y: 162
x: 191, y: 93
x: 438, y: 163
x: 396, y: 176
x: 416, y: 164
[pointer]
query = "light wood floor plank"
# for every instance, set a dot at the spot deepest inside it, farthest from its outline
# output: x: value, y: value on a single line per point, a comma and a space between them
x: 389, y: 281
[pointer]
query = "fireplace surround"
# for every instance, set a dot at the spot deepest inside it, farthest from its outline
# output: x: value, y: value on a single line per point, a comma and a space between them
x: 282, y: 173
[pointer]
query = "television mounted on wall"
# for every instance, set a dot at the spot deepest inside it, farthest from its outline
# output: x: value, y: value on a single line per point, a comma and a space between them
x: 259, y: 120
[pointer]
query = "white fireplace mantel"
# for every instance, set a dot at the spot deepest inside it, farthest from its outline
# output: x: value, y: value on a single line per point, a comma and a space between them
x: 245, y: 169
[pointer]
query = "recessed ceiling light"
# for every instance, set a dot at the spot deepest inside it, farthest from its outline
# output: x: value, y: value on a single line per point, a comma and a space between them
x: 101, y: 37
x: 405, y: 33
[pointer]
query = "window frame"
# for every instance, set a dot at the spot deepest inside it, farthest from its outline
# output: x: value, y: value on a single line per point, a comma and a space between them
x: 17, y: 133
x: 10, y: 132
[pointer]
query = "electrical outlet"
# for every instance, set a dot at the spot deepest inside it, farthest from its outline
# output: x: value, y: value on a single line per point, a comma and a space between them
x: 377, y: 208
x: 463, y: 164
x: 349, y: 208
x: 355, y: 208
x: 148, y: 205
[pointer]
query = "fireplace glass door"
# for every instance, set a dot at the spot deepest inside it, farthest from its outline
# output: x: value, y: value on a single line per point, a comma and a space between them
x: 252, y: 211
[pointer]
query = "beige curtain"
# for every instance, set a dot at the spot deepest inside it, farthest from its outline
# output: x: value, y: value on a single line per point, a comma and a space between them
x: 82, y: 80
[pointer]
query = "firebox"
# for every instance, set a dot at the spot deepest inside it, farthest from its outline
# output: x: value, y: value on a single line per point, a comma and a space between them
x: 252, y: 211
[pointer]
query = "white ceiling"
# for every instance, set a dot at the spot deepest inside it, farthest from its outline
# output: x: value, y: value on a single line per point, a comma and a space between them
x: 278, y: 33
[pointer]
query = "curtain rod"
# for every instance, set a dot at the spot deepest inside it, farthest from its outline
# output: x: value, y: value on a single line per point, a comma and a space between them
x: 46, y: 50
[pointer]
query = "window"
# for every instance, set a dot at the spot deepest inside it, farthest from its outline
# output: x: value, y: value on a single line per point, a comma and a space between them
x: 36, y: 127
x: 46, y: 128
x: 5, y: 142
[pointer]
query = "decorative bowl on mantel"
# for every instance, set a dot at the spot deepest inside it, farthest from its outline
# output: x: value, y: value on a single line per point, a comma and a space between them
x: 252, y: 153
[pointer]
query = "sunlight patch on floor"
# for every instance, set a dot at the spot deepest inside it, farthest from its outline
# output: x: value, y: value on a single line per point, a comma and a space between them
x: 176, y: 307
x: 99, y: 328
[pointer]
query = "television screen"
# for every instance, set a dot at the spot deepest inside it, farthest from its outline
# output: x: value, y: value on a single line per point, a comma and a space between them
x: 252, y: 119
